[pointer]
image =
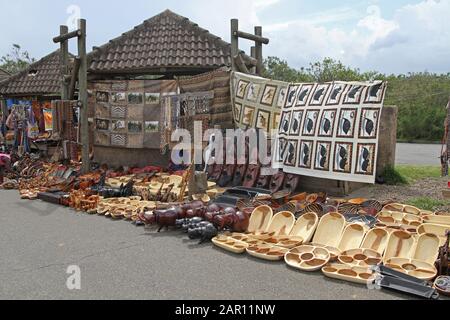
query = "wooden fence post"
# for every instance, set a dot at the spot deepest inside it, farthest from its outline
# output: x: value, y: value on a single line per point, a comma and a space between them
x: 64, y: 62
x: 258, y: 52
x: 83, y: 97
x: 234, y: 42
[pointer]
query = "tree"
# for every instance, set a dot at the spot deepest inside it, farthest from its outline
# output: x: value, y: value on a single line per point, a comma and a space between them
x: 420, y: 97
x: 17, y: 60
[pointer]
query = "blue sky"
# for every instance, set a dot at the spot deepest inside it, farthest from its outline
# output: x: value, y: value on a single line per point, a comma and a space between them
x: 389, y: 36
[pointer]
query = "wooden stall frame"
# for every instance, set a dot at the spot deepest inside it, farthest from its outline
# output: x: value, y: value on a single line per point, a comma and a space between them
x: 68, y: 82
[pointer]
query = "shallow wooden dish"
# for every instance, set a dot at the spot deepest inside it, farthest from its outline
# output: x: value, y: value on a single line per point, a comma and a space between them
x: 419, y: 269
x: 436, y: 229
x: 402, y: 208
x: 267, y: 252
x: 305, y: 226
x: 352, y: 237
x: 361, y: 258
x: 280, y: 225
x: 345, y: 272
x: 329, y: 230
x: 440, y: 220
x: 400, y: 218
x: 427, y: 248
x: 228, y: 244
x: 400, y: 244
x: 376, y: 239
x: 307, y: 258
x: 260, y: 219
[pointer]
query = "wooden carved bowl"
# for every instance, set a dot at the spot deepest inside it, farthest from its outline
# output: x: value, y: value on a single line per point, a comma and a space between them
x: 307, y: 258
x: 360, y: 275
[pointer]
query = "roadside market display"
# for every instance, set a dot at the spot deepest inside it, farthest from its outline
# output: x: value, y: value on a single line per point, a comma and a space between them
x: 325, y: 130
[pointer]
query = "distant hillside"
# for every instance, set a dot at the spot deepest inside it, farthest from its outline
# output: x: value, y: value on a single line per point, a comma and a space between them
x: 421, y: 97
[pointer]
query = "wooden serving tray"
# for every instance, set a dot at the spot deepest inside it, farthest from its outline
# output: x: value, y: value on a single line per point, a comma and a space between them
x: 439, y: 220
x: 352, y: 237
x: 228, y: 244
x: 400, y: 244
x: 376, y: 239
x: 307, y: 258
x: 400, y: 218
x: 437, y: 229
x: 419, y: 269
x: 353, y: 274
x: 267, y: 252
x: 402, y: 208
x: 361, y: 258
x: 329, y: 230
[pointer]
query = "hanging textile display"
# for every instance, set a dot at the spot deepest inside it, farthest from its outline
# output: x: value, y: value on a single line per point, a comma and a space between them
x: 127, y: 114
x: 217, y: 81
x: 48, y: 119
x: 331, y: 130
x: 257, y: 102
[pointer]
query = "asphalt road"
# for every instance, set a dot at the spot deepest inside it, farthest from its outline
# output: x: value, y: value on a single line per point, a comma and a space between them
x: 418, y: 154
x: 39, y: 241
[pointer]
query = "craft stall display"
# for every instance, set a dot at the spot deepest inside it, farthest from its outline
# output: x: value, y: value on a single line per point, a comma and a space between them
x: 218, y: 82
x: 331, y: 130
x: 257, y: 102
x: 128, y: 113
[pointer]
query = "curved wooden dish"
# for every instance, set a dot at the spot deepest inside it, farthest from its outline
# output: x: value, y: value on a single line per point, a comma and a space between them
x: 230, y: 245
x: 400, y: 244
x: 361, y: 258
x: 345, y: 272
x: 427, y: 248
x: 305, y: 226
x: 260, y: 219
x: 440, y: 220
x: 334, y: 252
x: 392, y: 227
x: 419, y: 269
x: 436, y: 229
x: 280, y: 226
x: 402, y: 208
x: 400, y: 218
x: 329, y: 230
x: 352, y: 237
x: 267, y: 252
x: 307, y: 258
x: 376, y: 239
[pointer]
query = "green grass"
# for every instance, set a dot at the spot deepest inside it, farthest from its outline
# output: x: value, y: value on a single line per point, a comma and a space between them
x: 429, y: 204
x: 405, y: 174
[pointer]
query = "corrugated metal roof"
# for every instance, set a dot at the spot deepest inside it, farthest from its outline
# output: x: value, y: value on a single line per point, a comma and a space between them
x: 167, y: 40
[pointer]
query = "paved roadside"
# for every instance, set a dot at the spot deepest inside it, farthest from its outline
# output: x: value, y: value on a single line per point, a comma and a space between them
x: 39, y: 241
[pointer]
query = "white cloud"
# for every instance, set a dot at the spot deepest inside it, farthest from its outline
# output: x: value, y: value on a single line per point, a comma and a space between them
x: 414, y: 39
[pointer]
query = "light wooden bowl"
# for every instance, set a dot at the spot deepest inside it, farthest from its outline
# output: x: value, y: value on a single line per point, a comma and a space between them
x: 267, y: 252
x: 427, y: 248
x: 376, y: 239
x: 260, y: 219
x: 400, y: 244
x: 307, y: 258
x: 329, y: 230
x: 359, y: 275
x: 419, y: 269
x: 361, y: 258
x: 352, y: 237
x: 436, y: 229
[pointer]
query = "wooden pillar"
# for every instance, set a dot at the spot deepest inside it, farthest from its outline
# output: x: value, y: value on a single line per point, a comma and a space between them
x: 253, y: 55
x: 258, y: 51
x: 387, y: 143
x: 64, y: 62
x: 83, y: 97
x: 234, y: 42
